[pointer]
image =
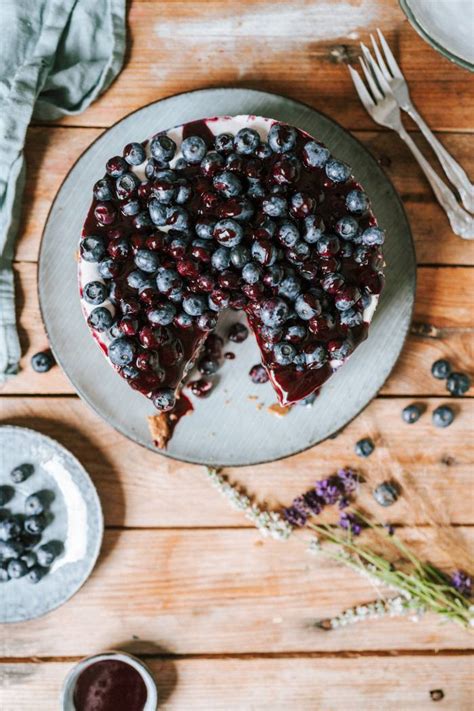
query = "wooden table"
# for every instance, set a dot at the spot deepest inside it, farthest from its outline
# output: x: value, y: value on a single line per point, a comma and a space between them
x: 226, y: 619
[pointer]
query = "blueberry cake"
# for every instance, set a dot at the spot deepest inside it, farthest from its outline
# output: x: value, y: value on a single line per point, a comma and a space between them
x: 231, y: 212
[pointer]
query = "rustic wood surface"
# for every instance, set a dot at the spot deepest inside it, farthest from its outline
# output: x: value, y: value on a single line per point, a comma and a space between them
x: 225, y: 619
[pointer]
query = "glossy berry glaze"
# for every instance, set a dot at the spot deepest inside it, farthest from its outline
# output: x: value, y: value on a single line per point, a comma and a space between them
x: 299, y: 251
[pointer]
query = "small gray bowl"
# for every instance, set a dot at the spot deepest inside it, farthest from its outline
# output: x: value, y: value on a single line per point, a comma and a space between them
x: 67, y: 693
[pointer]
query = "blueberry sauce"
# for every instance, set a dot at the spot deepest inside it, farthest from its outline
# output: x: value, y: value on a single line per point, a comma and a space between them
x: 110, y: 685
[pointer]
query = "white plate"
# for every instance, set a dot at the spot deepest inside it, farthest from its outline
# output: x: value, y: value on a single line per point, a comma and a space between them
x: 233, y: 426
x: 76, y: 521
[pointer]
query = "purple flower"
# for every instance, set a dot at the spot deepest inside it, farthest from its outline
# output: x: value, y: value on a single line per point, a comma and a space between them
x: 296, y: 514
x: 462, y: 582
x: 328, y: 490
x: 314, y: 503
x: 343, y: 503
x: 350, y: 523
x: 349, y: 480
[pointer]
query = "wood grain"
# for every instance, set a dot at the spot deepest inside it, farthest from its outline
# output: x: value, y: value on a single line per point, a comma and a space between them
x: 139, y: 488
x: 50, y: 153
x: 443, y: 306
x: 222, y: 591
x: 179, y: 46
x: 359, y: 683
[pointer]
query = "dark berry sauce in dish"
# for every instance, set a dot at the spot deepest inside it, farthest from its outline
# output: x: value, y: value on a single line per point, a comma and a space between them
x: 110, y: 685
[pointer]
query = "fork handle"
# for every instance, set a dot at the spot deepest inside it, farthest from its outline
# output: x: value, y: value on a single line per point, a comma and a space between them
x: 461, y: 221
x: 453, y: 170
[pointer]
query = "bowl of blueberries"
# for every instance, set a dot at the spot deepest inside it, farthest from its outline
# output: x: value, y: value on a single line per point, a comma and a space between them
x: 51, y: 524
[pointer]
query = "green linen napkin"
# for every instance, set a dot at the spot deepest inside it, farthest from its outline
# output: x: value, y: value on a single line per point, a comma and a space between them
x: 56, y: 57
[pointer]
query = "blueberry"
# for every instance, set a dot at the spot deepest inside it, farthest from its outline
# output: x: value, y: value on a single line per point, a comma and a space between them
x: 362, y: 255
x: 251, y: 273
x: 458, y: 384
x: 136, y: 279
x: 194, y: 304
x: 17, y: 568
x: 35, y: 524
x: 411, y: 414
x: 228, y: 232
x: 258, y: 374
x: 307, y: 306
x: 34, y: 505
x: 227, y: 183
x: 164, y: 399
x: 386, y: 494
x: 92, y: 249
x: 290, y: 287
x: 287, y: 233
x: 48, y: 552
x: 11, y: 549
x: 178, y: 218
x: 221, y: 259
x: 298, y: 253
x: 264, y: 252
x: 364, y: 447
x: 342, y: 351
x: 21, y: 473
x: 238, y: 333
x: 328, y: 245
x: 224, y: 143
x: 116, y: 166
x: 193, y: 149
x: 373, y: 236
x: 95, y: 292
x: 347, y: 227
x: 142, y: 221
x: 308, y: 401
x: 274, y: 312
x: 6, y: 494
x: 274, y: 206
x: 207, y: 321
x: 281, y: 138
x: 263, y: 151
x: 302, y: 204
x: 162, y: 315
x: 315, y: 355
x: 29, y: 558
x: 158, y: 212
x: 441, y: 369
x: 100, y: 319
x: 4, y: 577
x: 147, y: 260
x: 204, y: 229
x: 180, y: 164
x: 332, y: 282
x: 207, y: 365
x: 246, y: 141
x: 134, y: 153
x: 167, y: 280
x: 284, y: 353
x: 9, y: 528
x: 313, y: 229
x: 351, y: 318
x: 121, y: 351
x: 126, y: 185
x: 346, y: 298
x: 315, y: 155
x: 273, y: 276
x: 130, y: 208
x: 295, y: 333
x: 42, y: 362
x: 337, y: 171
x: 35, y: 574
x: 255, y: 188
x: 357, y: 202
x: 212, y: 163
x: 183, y: 193
x: 239, y: 256
x: 153, y: 167
x: 184, y: 320
x: 103, y: 189
x: 164, y: 191
x: 162, y: 147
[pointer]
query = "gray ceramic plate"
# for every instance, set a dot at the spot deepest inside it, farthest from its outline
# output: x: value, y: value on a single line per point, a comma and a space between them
x: 232, y: 427
x: 76, y: 521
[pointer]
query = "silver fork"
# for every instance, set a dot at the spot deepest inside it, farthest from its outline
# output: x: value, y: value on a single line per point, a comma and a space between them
x: 399, y: 87
x: 382, y: 106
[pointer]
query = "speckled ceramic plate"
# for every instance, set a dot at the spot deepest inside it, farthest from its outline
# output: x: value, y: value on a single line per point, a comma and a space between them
x: 234, y: 426
x: 76, y: 521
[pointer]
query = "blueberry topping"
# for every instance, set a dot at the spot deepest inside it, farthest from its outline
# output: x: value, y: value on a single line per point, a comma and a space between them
x: 373, y: 236
x: 252, y: 273
x: 35, y: 524
x: 287, y: 233
x: 9, y: 528
x: 122, y: 351
x: 351, y: 318
x: 264, y: 252
x: 162, y: 315
x: 411, y: 414
x: 103, y: 189
x: 221, y: 259
x: 274, y: 206
x: 224, y: 143
x: 347, y: 227
x: 441, y: 369
x: 164, y: 399
x: 95, y: 292
x: 136, y: 279
x: 21, y: 473
x: 315, y: 355
x: 315, y: 155
x: 386, y: 494
x: 116, y: 167
x: 458, y: 384
x: 357, y: 202
x: 313, y: 229
x: 193, y: 149
x: 281, y: 138
x: 162, y: 147
x: 246, y: 141
x: 227, y: 183
x: 239, y: 256
x: 134, y: 153
x: 167, y: 280
x: 337, y: 171
x: 92, y: 249
x: 100, y: 319
x: 307, y: 306
x: 228, y: 232
x: 212, y: 163
x: 42, y: 362
x: 126, y: 185
x: 194, y: 304
x: 147, y: 260
x: 207, y: 321
x: 274, y: 312
x: 284, y: 353
x: 364, y: 447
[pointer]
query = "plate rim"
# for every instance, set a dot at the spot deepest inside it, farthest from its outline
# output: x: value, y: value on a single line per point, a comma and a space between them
x: 369, y: 156
x: 95, y: 493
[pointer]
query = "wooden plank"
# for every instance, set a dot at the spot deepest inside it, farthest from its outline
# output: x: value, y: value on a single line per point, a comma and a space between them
x: 50, y: 153
x: 443, y: 306
x: 222, y: 591
x: 140, y: 488
x: 300, y: 50
x: 361, y: 683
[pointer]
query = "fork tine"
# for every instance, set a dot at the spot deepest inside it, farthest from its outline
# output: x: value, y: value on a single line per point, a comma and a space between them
x: 380, y: 60
x: 364, y: 95
x: 391, y: 61
x: 383, y: 83
x: 377, y: 94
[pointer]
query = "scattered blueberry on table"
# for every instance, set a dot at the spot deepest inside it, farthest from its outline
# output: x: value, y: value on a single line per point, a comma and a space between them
x: 412, y: 413
x: 443, y: 416
x: 386, y: 493
x: 42, y: 362
x: 441, y: 369
x: 458, y: 384
x: 364, y: 447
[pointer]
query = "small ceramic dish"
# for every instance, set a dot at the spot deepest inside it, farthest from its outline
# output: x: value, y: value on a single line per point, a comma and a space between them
x: 76, y: 521
x: 67, y: 694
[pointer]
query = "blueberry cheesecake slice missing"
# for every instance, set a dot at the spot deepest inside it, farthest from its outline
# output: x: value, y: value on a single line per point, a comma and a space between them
x: 230, y: 212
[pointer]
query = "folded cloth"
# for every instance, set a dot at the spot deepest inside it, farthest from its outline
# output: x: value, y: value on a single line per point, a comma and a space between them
x: 56, y: 57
